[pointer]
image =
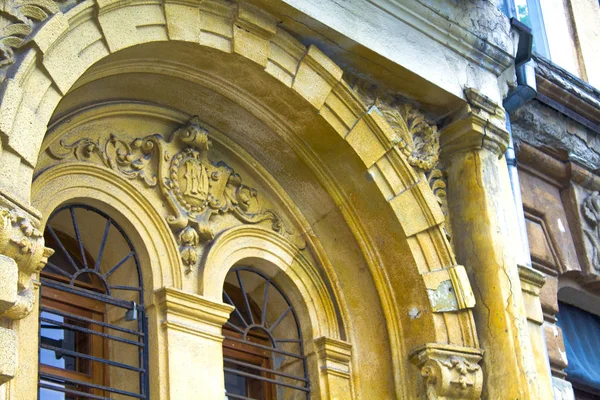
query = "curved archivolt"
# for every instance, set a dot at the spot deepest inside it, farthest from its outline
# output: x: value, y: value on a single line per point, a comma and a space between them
x: 114, y: 262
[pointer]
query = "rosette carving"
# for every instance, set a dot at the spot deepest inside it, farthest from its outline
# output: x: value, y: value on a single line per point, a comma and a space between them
x: 450, y: 372
x: 196, y: 188
x: 23, y: 243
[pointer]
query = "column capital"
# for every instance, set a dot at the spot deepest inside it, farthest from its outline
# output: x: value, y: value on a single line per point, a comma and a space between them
x: 473, y: 131
x: 334, y: 357
x: 192, y: 313
x: 334, y: 354
x: 450, y: 371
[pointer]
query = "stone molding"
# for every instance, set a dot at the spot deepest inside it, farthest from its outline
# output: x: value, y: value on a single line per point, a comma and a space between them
x: 416, y: 137
x: 449, y: 372
x: 561, y: 89
x: 480, y: 124
x: 334, y: 356
x: 192, y: 313
x: 18, y: 20
x: 22, y: 257
x: 334, y: 360
x: 472, y: 130
x: 256, y: 242
x: 424, y: 16
x: 590, y: 209
x: 69, y: 43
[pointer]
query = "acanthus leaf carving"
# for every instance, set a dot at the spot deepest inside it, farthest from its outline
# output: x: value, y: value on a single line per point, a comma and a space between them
x: 450, y: 371
x: 419, y: 139
x: 196, y: 188
x: 115, y: 154
x: 591, y: 212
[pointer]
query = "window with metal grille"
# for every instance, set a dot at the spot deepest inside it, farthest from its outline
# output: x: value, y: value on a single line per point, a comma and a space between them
x: 93, y: 342
x: 263, y: 350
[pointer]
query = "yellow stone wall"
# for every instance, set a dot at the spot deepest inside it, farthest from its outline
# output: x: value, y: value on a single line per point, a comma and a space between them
x: 385, y: 308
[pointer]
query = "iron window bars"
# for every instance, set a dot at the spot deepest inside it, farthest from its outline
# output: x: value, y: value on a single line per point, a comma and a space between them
x: 284, y: 347
x: 69, y: 281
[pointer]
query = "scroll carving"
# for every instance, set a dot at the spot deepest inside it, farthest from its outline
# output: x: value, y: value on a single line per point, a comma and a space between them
x: 23, y: 243
x: 591, y: 212
x: 450, y: 372
x: 196, y: 188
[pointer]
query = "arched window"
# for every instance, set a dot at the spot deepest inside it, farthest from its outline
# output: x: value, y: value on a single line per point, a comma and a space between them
x: 93, y: 342
x: 263, y: 349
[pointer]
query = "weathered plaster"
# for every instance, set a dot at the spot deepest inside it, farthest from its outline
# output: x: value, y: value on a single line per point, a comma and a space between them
x: 468, y: 45
x: 541, y: 126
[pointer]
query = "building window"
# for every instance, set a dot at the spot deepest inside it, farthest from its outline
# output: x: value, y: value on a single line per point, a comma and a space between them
x: 263, y: 348
x: 554, y: 30
x: 93, y: 342
x: 529, y: 12
x: 581, y: 334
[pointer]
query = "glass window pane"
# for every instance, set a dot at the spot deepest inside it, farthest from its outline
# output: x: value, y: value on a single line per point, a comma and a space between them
x: 235, y: 384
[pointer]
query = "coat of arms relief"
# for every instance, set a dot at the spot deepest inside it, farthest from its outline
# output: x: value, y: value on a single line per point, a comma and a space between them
x: 196, y: 188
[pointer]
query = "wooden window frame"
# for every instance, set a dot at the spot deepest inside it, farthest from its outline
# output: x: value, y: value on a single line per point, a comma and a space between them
x: 88, y: 308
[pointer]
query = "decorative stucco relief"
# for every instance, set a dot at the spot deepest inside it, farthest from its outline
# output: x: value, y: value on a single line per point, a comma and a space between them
x: 591, y: 212
x: 23, y: 243
x: 420, y: 139
x: 195, y: 187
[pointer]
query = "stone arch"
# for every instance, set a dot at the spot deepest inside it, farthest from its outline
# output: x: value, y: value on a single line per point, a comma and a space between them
x: 256, y: 243
x: 276, y: 257
x: 66, y: 45
x: 85, y: 183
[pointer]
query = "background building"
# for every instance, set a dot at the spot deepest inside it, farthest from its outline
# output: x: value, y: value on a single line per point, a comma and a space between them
x: 299, y: 199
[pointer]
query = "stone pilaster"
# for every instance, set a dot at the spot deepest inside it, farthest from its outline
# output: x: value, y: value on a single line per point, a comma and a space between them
x: 193, y: 344
x: 532, y: 282
x: 484, y: 221
x: 22, y: 257
x: 449, y: 372
x: 334, y: 358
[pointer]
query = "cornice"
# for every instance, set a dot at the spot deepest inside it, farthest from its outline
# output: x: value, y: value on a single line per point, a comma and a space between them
x: 555, y: 170
x: 456, y: 37
x: 565, y: 92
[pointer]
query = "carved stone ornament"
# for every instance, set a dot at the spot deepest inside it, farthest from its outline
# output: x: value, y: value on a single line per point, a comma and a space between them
x: 22, y: 249
x: 419, y: 139
x: 449, y: 371
x: 591, y: 212
x: 196, y: 188
x: 18, y: 20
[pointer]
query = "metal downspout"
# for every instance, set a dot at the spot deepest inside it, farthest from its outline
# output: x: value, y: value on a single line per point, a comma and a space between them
x: 525, y: 91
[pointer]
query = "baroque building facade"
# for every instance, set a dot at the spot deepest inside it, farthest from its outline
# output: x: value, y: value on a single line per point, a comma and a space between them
x: 291, y: 199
